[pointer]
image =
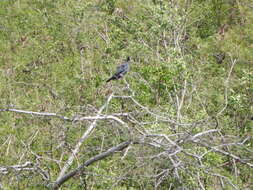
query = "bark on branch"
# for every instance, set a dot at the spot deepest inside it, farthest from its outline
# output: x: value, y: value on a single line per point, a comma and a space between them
x: 98, y: 157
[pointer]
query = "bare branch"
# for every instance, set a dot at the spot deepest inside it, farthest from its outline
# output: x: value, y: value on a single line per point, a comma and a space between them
x: 226, y: 83
x: 222, y: 177
x: 204, y: 133
x: 98, y: 157
x: 181, y: 102
x: 225, y: 153
x: 45, y: 114
x: 23, y: 167
x: 100, y: 117
x: 159, y: 117
x: 82, y: 139
x: 27, y: 166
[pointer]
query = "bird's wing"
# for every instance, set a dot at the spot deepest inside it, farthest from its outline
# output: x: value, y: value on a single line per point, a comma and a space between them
x: 122, y: 68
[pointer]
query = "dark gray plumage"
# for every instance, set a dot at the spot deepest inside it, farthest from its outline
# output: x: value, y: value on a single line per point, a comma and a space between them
x: 121, y: 70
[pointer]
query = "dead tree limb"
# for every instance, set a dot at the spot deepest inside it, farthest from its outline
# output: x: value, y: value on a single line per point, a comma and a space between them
x: 98, y: 157
x: 82, y: 139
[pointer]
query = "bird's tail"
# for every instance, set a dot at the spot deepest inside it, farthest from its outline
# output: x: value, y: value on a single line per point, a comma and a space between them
x: 112, y: 78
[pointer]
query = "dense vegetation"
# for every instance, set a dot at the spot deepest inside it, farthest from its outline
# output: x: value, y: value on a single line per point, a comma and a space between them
x: 182, y: 118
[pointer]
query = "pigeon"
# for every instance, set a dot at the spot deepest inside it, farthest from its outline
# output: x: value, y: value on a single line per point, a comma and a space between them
x: 121, y: 70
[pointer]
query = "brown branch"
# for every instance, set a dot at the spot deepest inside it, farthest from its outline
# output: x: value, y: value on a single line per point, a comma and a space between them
x: 98, y: 157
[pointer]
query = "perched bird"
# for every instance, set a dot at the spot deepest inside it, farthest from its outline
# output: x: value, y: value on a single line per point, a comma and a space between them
x: 121, y: 70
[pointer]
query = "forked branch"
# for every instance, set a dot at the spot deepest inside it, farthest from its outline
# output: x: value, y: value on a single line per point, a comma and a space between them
x: 98, y: 157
